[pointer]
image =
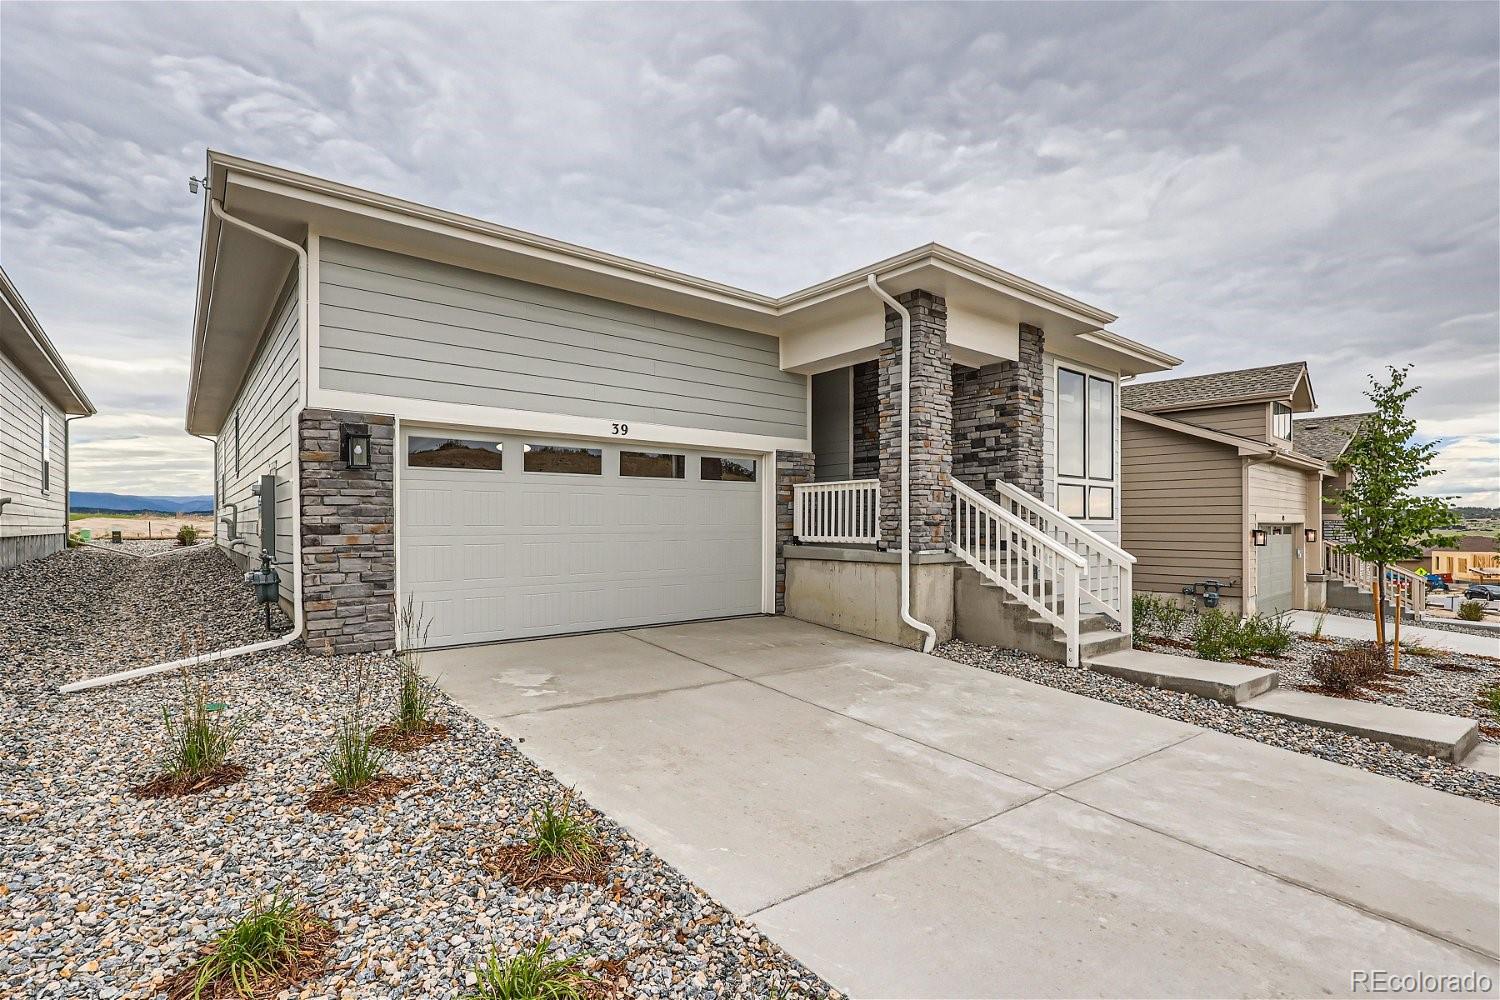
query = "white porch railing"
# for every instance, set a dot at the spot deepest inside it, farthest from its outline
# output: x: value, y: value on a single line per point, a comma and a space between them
x: 1106, y: 578
x: 1027, y: 563
x: 845, y: 512
x: 1356, y: 572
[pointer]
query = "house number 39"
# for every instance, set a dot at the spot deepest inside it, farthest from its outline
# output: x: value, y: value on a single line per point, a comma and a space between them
x: 619, y: 430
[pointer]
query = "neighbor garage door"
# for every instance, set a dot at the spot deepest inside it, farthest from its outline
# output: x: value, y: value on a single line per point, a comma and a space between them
x: 504, y: 537
x: 1274, y: 576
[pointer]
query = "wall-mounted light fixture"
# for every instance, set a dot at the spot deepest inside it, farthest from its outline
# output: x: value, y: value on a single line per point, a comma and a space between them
x: 1258, y: 536
x: 1311, y: 534
x: 355, y: 446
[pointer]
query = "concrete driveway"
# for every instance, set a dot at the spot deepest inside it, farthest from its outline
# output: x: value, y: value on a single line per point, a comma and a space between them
x: 911, y: 827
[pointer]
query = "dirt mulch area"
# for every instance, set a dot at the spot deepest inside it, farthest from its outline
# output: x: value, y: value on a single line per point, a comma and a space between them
x: 517, y: 863
x: 1455, y: 668
x: 166, y: 786
x: 332, y: 799
x: 314, y: 951
x: 389, y: 737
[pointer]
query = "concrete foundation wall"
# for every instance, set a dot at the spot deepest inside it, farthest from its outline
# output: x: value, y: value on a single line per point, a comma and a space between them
x: 860, y: 593
x: 23, y: 548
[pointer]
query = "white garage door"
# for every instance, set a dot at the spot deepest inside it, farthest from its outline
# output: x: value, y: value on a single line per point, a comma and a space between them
x: 1274, y: 572
x: 504, y: 537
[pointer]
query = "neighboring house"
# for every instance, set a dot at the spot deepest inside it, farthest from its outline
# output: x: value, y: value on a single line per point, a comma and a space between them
x: 37, y: 396
x: 1326, y: 438
x: 1475, y: 560
x: 562, y: 440
x: 1218, y: 493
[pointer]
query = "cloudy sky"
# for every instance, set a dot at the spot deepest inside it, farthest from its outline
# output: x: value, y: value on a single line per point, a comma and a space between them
x: 1243, y: 185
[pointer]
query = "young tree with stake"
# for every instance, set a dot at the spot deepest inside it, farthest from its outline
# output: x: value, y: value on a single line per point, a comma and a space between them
x: 1383, y: 518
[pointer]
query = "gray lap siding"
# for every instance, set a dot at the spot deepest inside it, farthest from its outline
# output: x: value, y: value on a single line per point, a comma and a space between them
x: 267, y: 413
x: 397, y: 326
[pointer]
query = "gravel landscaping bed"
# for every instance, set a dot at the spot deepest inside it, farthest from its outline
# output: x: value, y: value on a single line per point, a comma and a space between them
x: 1354, y: 751
x: 106, y: 895
x: 1448, y: 683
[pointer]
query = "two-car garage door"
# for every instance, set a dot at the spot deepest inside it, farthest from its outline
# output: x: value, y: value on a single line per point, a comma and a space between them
x: 506, y: 536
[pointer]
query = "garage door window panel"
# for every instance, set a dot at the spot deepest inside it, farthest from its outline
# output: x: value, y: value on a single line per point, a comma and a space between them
x: 559, y: 459
x: 453, y: 453
x: 726, y: 470
x: 652, y: 465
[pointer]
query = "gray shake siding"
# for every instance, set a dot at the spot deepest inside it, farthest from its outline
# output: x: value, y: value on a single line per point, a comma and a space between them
x: 38, y: 517
x: 393, y: 325
x: 266, y: 411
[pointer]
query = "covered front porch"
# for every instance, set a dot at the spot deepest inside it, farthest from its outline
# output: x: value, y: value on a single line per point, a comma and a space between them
x: 1011, y: 472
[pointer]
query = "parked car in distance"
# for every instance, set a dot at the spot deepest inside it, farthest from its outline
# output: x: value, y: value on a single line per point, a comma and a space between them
x: 1483, y: 592
x: 1436, y: 583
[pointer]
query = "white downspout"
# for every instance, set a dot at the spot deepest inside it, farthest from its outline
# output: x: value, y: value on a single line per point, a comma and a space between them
x: 929, y: 635
x: 297, y: 623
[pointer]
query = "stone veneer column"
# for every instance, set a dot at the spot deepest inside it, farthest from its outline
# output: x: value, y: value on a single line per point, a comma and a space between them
x: 348, y: 535
x: 997, y: 420
x: 792, y: 467
x: 931, y: 423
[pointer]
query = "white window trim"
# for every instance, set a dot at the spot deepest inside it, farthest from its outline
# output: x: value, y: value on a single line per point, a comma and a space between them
x: 1060, y: 365
x: 46, y: 477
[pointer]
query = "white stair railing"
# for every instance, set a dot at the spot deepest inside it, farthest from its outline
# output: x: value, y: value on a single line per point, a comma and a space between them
x: 1026, y: 563
x: 1349, y: 568
x: 1108, y: 568
x: 846, y: 512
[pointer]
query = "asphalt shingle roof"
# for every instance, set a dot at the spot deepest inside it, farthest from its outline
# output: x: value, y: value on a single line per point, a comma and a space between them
x: 1326, y: 437
x: 1215, y: 389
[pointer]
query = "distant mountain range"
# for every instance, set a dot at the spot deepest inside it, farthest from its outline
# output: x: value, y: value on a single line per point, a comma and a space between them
x: 87, y: 503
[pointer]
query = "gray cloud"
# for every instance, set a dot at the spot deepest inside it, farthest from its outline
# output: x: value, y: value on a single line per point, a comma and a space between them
x: 1242, y: 184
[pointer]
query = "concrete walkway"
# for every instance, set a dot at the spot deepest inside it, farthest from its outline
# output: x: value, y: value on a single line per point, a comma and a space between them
x: 1342, y: 627
x: 912, y: 827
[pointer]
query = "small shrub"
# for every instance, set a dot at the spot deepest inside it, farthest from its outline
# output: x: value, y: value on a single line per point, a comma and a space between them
x: 1346, y: 669
x: 1170, y: 617
x: 355, y: 762
x: 196, y: 743
x: 1216, y: 635
x: 1269, y: 634
x: 558, y: 833
x: 1490, y: 698
x: 75, y: 539
x: 1143, y: 617
x: 414, y: 692
x: 1317, y: 632
x: 1471, y: 611
x: 531, y: 975
x: 187, y: 535
x: 270, y: 945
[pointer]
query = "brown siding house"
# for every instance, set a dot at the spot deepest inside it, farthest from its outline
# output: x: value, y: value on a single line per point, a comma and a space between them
x: 1213, y: 498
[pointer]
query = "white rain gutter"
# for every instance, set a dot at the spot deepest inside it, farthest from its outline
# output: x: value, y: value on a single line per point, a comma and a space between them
x: 929, y: 639
x: 297, y: 624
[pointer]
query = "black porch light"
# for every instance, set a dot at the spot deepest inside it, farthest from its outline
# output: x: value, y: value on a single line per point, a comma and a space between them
x: 1258, y: 536
x: 1311, y: 534
x: 356, y: 446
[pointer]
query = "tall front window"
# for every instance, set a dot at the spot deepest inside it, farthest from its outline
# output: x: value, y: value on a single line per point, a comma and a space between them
x: 1085, y: 445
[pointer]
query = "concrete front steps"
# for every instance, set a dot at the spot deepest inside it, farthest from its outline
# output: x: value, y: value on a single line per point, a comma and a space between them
x: 1231, y: 683
x: 1255, y: 689
x: 984, y: 614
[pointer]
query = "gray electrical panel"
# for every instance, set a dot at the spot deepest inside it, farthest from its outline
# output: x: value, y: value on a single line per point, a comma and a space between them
x: 268, y: 515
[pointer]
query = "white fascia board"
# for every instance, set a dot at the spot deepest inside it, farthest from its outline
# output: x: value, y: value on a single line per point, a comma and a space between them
x: 414, y: 412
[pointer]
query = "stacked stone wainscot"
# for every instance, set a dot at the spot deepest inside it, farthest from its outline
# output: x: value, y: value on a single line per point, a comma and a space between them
x: 348, y: 534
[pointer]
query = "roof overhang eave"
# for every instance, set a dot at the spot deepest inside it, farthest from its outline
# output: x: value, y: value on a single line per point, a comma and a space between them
x: 25, y: 340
